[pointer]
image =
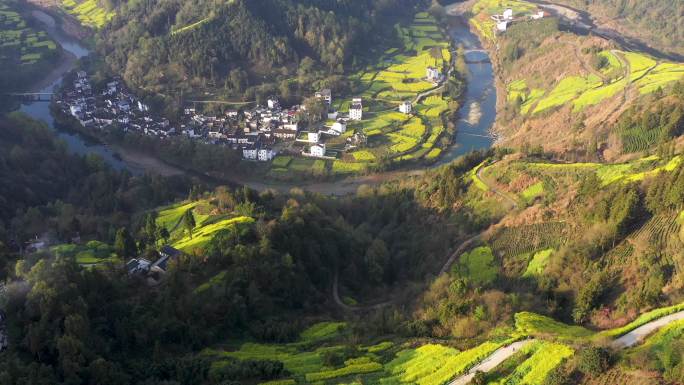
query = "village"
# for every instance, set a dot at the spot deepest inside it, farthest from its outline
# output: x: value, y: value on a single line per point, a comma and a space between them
x: 259, y: 133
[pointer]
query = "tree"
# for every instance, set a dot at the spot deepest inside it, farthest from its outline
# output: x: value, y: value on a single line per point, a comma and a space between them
x: 163, y: 233
x: 124, y: 244
x: 593, y: 361
x: 189, y: 222
x: 479, y: 378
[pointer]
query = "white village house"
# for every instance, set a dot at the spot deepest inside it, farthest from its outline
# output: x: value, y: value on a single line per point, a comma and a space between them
x: 405, y: 107
x: 317, y: 150
x: 339, y: 127
x: 326, y: 95
x: 356, y: 111
x: 432, y: 74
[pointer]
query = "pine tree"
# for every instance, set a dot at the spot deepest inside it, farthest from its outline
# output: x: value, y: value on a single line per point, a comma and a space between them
x: 189, y: 222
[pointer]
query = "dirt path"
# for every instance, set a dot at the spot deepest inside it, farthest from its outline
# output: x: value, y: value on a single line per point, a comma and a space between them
x: 496, y: 190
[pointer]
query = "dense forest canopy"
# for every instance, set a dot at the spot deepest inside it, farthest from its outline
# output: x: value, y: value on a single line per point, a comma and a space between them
x: 234, y: 44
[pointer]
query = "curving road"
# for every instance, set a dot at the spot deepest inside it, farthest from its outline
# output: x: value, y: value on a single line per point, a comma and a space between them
x: 639, y: 334
x: 450, y: 260
x: 491, y: 362
x: 628, y: 340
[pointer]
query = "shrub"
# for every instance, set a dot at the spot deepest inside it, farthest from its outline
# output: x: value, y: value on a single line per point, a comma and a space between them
x: 593, y: 361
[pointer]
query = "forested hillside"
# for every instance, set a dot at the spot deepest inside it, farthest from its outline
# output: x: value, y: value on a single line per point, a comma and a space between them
x: 48, y: 190
x: 658, y: 23
x: 234, y: 44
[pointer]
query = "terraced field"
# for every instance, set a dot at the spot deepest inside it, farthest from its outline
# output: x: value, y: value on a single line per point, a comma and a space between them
x: 660, y: 231
x: 22, y: 45
x: 208, y: 224
x: 543, y: 358
x: 88, y: 12
x: 513, y: 241
x: 398, y: 76
x: 645, y: 75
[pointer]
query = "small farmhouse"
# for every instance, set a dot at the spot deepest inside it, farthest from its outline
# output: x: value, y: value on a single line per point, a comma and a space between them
x: 356, y: 111
x: 405, y: 107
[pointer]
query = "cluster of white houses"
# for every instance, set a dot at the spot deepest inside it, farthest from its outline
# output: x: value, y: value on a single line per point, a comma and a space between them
x: 504, y: 20
x: 255, y: 132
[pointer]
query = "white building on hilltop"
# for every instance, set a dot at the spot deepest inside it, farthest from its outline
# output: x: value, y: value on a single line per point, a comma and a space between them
x: 405, y: 107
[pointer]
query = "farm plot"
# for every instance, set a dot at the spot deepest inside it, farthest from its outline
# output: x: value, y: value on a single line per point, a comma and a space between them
x: 538, y: 325
x: 639, y: 65
x: 512, y: 241
x: 545, y: 356
x: 435, y: 364
x: 566, y: 90
x: 660, y: 77
x: 88, y: 12
x: 202, y: 235
x: 23, y: 46
x: 478, y: 265
x: 92, y: 253
x: 660, y: 231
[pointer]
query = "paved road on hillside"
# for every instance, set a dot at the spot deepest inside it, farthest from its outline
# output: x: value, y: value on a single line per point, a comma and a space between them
x: 626, y: 341
x: 639, y: 334
x: 492, y: 361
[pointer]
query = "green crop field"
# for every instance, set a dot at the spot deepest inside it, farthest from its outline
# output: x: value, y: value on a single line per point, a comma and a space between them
x: 434, y: 364
x: 538, y: 325
x: 91, y: 253
x: 398, y: 76
x: 512, y: 241
x: 88, y: 12
x: 538, y: 263
x: 566, y: 90
x: 206, y: 232
x: 532, y: 192
x: 322, y: 331
x: 23, y: 46
x: 639, y: 64
x: 545, y: 356
x: 660, y: 77
x: 479, y: 265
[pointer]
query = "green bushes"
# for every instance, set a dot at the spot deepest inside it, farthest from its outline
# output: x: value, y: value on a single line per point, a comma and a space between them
x: 536, y: 324
x: 593, y: 361
x: 478, y: 265
x: 344, y: 371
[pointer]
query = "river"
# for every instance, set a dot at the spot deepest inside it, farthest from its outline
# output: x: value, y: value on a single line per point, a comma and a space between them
x: 476, y: 117
x: 77, y: 143
x: 478, y: 113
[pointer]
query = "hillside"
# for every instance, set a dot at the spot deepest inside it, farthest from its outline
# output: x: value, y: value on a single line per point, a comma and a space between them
x: 231, y: 46
x: 566, y: 91
x: 655, y: 22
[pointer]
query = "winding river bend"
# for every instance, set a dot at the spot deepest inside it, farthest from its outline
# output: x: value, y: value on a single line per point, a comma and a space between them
x: 476, y: 117
x: 41, y: 110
